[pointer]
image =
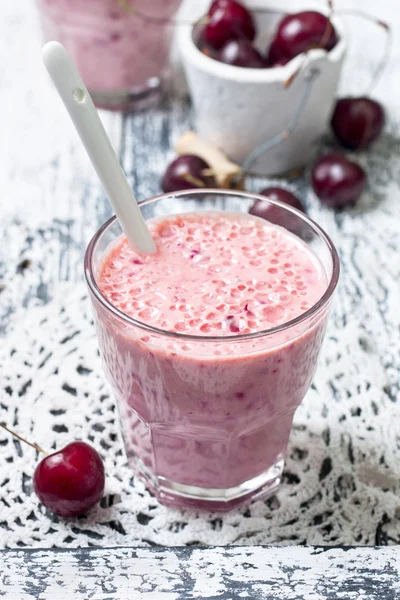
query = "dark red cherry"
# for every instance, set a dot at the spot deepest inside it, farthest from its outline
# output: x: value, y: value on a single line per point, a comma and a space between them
x: 300, y: 32
x: 283, y: 195
x: 241, y: 53
x: 187, y: 172
x: 228, y: 20
x: 275, y: 214
x: 70, y: 481
x: 279, y: 63
x: 357, y: 122
x: 338, y: 181
x: 198, y: 38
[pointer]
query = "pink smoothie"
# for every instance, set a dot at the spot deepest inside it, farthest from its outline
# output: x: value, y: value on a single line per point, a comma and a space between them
x: 114, y: 49
x: 200, y: 412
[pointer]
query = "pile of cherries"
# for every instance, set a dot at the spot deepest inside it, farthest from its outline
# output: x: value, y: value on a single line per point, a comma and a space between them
x: 230, y: 31
x: 228, y: 36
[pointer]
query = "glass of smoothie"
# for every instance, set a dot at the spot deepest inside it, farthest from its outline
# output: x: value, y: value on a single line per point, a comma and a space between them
x: 211, y: 343
x: 121, y: 47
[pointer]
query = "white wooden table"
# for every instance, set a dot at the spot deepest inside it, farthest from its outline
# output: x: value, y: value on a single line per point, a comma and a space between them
x: 51, y: 202
x: 257, y: 573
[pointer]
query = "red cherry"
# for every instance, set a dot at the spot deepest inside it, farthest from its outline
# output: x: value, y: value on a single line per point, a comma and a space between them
x: 187, y: 172
x: 279, y: 63
x: 207, y: 50
x: 70, y: 481
x: 357, y: 122
x: 337, y: 181
x: 198, y: 37
x: 300, y: 32
x: 283, y: 195
x: 241, y: 53
x: 228, y: 20
x: 276, y: 215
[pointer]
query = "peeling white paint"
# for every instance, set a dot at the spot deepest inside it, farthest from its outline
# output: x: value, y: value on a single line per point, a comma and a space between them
x: 280, y: 573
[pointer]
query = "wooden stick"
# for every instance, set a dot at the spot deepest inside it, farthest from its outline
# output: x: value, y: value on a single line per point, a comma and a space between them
x: 225, y: 171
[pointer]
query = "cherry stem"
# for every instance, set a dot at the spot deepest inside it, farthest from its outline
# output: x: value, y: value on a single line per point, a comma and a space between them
x: 209, y: 172
x: 37, y: 448
x: 310, y: 76
x: 193, y: 180
x: 382, y: 64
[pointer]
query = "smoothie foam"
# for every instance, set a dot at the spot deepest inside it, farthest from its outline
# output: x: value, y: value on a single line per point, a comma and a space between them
x: 215, y: 275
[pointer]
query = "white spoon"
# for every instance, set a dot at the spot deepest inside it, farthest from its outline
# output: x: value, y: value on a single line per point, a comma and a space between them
x: 87, y: 122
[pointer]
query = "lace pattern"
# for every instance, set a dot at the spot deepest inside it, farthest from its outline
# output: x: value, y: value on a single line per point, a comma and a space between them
x: 341, y: 483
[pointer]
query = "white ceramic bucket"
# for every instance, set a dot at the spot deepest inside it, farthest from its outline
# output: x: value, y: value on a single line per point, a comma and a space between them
x: 239, y: 109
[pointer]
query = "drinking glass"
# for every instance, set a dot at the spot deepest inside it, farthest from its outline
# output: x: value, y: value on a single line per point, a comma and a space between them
x: 206, y: 420
x: 121, y: 47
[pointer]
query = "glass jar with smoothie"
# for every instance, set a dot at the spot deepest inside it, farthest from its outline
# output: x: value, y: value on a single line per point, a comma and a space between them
x: 211, y: 343
x: 121, y: 47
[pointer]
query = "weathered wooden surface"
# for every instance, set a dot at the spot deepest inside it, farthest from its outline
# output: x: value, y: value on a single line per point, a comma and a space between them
x: 259, y: 573
x: 50, y: 200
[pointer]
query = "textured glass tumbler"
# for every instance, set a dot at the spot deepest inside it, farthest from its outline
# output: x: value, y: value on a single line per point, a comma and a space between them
x: 121, y: 48
x: 209, y: 429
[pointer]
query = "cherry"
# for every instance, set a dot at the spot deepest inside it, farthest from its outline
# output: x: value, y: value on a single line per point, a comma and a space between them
x: 207, y: 50
x: 198, y: 38
x: 357, y: 122
x: 282, y: 195
x: 70, y: 481
x: 337, y: 181
x: 241, y: 53
x: 228, y: 20
x: 187, y: 172
x: 300, y: 32
x: 279, y: 63
x: 276, y: 215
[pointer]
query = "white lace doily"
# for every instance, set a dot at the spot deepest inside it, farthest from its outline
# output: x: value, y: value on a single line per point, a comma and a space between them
x: 342, y: 477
